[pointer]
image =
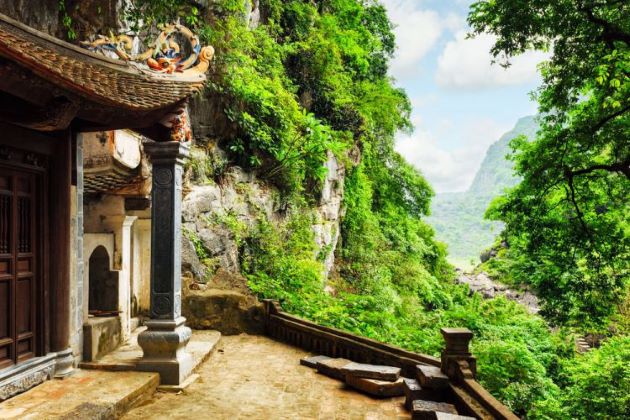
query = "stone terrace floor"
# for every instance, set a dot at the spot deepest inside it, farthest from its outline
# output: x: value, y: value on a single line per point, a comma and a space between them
x: 253, y: 377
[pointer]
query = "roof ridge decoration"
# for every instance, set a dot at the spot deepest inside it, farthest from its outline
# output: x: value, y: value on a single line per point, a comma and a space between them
x: 164, y: 55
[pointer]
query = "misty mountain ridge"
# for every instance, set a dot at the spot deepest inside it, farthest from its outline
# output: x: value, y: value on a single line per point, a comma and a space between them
x: 458, y: 216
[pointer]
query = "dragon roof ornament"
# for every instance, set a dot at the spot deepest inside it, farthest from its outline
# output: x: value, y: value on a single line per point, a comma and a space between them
x: 165, y: 55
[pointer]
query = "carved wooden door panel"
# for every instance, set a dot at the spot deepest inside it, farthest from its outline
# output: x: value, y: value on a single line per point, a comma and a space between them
x: 18, y: 259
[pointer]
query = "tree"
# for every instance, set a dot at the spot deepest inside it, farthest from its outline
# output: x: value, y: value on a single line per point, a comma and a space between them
x: 567, y: 221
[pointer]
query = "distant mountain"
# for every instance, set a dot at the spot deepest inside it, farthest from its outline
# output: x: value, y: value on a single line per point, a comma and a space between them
x: 496, y: 172
x: 458, y: 217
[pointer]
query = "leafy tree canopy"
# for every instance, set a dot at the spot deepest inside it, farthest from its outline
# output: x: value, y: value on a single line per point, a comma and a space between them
x: 567, y: 221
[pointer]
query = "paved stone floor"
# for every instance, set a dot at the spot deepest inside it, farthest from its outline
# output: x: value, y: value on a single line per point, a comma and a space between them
x: 253, y: 377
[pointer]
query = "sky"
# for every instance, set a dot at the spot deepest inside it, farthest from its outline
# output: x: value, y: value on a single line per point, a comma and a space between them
x: 462, y: 103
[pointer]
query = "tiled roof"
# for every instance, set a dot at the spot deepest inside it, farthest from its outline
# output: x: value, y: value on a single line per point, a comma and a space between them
x: 93, y: 76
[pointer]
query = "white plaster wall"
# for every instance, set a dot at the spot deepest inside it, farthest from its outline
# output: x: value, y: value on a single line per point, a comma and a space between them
x: 141, y: 266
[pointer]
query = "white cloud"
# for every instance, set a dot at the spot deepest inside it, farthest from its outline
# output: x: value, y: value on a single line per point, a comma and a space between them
x: 467, y: 64
x: 450, y: 170
x: 417, y: 32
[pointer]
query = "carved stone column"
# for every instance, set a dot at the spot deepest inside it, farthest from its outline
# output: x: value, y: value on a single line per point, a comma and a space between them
x: 164, y: 342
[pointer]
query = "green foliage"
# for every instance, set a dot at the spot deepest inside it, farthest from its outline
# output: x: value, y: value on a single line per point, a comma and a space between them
x: 596, y: 384
x: 66, y: 20
x: 204, y: 165
x: 567, y: 221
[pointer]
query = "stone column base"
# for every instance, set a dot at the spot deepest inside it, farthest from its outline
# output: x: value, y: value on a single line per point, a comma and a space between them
x: 164, y: 350
x: 64, y: 364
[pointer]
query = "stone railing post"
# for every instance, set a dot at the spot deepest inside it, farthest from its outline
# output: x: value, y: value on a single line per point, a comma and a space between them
x: 164, y: 342
x: 457, y: 351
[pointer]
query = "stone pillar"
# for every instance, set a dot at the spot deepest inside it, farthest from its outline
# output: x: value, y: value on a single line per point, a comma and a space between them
x: 164, y: 342
x: 456, y: 351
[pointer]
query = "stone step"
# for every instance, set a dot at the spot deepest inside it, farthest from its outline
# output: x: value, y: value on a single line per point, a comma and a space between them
x: 381, y: 373
x: 376, y: 387
x: 125, y: 358
x: 87, y: 394
x: 413, y: 391
x: 428, y: 410
x: 333, y: 368
x: 431, y: 377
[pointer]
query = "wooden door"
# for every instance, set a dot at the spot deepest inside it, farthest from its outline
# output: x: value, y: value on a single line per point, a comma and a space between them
x: 18, y: 266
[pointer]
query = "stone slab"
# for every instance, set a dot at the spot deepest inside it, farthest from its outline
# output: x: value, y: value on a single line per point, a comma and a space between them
x: 376, y: 387
x: 84, y: 395
x: 427, y: 410
x: 447, y: 416
x: 413, y: 391
x: 381, y: 373
x: 431, y: 377
x: 311, y: 361
x: 332, y: 368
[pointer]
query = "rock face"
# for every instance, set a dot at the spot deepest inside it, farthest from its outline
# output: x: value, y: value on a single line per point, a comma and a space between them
x: 330, y: 210
x: 489, y: 289
x: 216, y: 216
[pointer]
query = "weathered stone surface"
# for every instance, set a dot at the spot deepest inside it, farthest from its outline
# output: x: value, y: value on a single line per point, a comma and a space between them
x: 190, y: 260
x: 244, y: 199
x: 39, y: 14
x: 447, y: 416
x: 382, y: 373
x: 329, y: 210
x: 413, y: 391
x: 427, y: 410
x: 257, y: 378
x: 375, y: 387
x: 100, y: 336
x: 201, y: 199
x: 228, y: 311
x: 333, y: 368
x: 311, y: 361
x: 431, y: 377
x: 489, y: 289
x: 87, y: 394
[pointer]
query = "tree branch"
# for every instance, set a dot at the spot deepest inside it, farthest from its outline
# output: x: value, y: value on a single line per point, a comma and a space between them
x: 579, y: 213
x: 621, y: 167
x: 609, y: 118
x: 611, y: 31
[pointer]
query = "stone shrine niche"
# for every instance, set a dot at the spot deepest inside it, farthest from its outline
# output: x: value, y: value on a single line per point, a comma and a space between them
x: 103, y: 284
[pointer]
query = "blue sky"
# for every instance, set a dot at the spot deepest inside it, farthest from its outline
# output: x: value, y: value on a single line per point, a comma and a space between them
x: 462, y: 103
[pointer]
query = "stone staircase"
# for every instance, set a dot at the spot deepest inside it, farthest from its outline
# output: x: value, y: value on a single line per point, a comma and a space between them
x: 425, y: 395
